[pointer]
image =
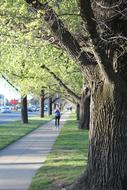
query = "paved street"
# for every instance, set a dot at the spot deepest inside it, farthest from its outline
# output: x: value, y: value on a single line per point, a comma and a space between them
x: 6, y: 117
x: 20, y: 161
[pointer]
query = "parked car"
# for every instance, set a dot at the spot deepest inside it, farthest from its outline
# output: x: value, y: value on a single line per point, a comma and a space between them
x: 32, y: 108
x: 38, y: 108
x: 45, y: 108
x: 5, y: 110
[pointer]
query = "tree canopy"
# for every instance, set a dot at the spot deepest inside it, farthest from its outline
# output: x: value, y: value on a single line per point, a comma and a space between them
x: 94, y: 35
x: 24, y: 51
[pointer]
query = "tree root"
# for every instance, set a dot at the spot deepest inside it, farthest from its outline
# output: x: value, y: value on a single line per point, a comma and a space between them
x: 79, y: 184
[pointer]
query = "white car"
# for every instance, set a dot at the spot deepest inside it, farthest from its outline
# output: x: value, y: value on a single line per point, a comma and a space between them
x: 5, y: 110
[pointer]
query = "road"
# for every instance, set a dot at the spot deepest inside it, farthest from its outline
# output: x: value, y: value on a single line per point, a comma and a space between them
x: 13, y: 116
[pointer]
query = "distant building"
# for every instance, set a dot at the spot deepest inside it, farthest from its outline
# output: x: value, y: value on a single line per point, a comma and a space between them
x: 3, y: 100
x: 14, y: 102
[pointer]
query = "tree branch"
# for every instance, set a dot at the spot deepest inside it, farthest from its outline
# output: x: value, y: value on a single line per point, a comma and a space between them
x: 99, y: 52
x: 65, y: 37
x: 5, y: 78
x: 61, y: 83
x: 51, y: 40
x: 55, y: 100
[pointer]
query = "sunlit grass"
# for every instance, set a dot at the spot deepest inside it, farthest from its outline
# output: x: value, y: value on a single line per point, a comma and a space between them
x: 66, y: 161
x: 12, y: 131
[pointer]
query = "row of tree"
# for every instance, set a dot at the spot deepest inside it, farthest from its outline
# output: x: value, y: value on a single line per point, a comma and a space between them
x: 40, y: 35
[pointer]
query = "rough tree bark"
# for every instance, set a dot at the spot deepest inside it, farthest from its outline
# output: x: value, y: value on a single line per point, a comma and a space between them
x: 107, y: 160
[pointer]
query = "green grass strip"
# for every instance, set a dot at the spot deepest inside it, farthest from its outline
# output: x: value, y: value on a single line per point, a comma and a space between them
x: 12, y: 131
x: 66, y: 161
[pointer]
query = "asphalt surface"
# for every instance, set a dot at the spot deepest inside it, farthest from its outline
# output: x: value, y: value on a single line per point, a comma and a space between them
x: 20, y: 161
x: 13, y: 116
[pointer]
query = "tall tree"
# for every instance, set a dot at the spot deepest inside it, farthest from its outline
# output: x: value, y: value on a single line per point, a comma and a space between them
x: 105, y: 70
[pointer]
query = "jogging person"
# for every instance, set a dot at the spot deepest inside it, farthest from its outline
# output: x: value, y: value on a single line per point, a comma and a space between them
x: 57, y: 118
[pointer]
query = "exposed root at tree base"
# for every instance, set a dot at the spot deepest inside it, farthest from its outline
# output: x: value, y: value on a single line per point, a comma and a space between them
x: 83, y: 183
x: 78, y: 185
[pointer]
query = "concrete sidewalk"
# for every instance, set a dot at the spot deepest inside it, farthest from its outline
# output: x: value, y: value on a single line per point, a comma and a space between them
x: 20, y: 161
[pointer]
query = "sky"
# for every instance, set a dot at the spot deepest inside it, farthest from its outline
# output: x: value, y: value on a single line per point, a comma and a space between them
x: 8, y: 91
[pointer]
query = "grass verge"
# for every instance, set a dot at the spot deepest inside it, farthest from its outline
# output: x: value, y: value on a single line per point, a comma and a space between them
x: 66, y: 161
x: 14, y: 130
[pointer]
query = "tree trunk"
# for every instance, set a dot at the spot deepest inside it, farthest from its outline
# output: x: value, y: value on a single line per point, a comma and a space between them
x: 24, y: 113
x: 55, y: 105
x: 107, y: 157
x: 42, y: 98
x: 85, y: 109
x: 78, y: 111
x: 50, y: 106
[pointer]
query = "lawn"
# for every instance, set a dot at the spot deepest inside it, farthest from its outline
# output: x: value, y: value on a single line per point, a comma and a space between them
x: 12, y: 131
x: 66, y: 161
